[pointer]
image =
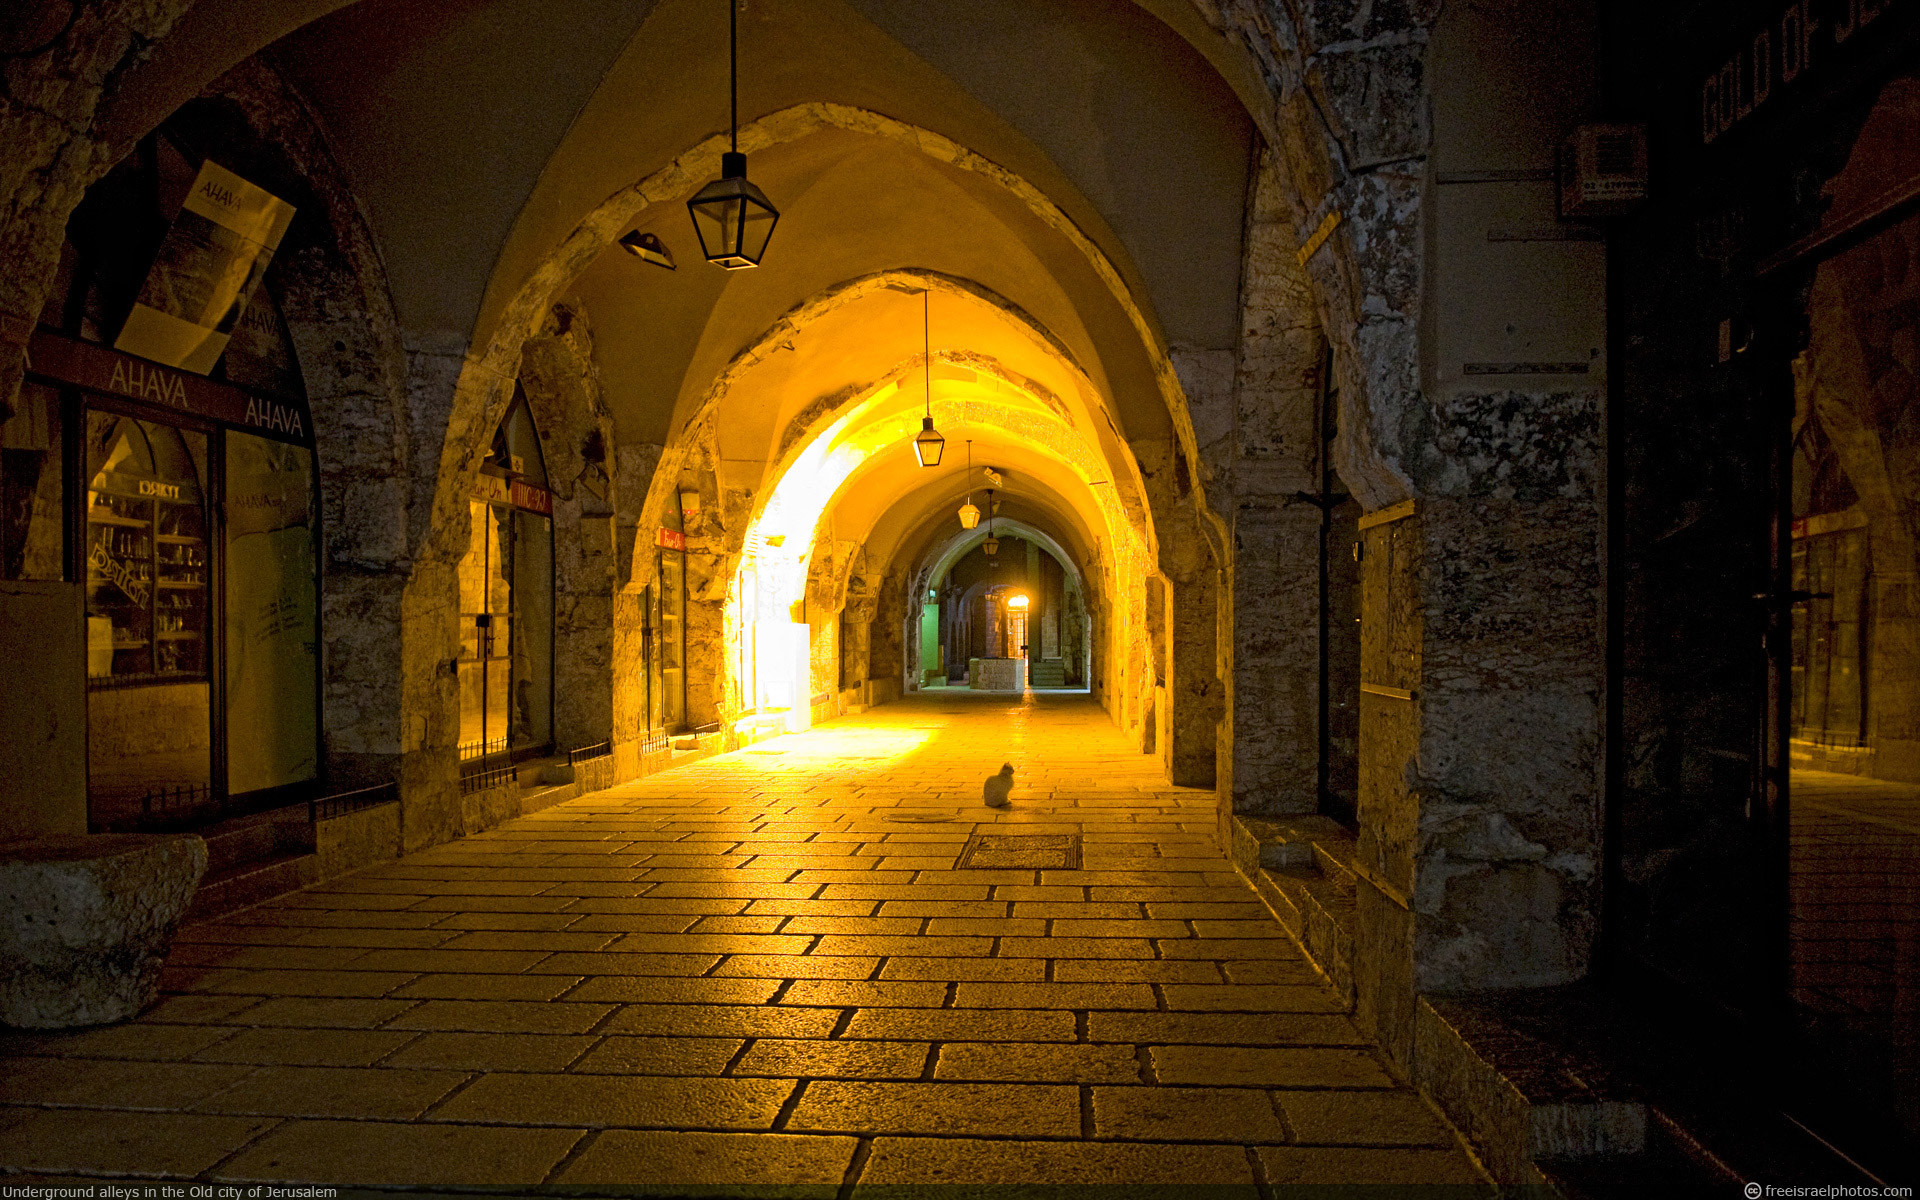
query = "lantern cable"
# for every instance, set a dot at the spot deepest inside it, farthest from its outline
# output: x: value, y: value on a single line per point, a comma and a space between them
x: 733, y: 75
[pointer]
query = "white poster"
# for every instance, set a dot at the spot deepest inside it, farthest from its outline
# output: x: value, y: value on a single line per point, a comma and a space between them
x: 207, y: 269
x: 271, y: 619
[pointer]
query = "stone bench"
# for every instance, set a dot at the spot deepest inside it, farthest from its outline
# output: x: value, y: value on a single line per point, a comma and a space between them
x: 85, y: 922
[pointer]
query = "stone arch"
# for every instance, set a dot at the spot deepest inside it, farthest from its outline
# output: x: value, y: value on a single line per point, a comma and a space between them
x: 334, y: 299
x: 481, y: 370
x: 1131, y: 489
x: 935, y: 560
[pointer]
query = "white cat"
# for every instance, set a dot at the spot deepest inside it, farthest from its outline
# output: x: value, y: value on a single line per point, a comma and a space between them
x: 997, y: 786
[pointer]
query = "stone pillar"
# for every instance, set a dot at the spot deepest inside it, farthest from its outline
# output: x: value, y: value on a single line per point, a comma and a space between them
x: 1267, y: 469
x: 1274, y: 666
x: 1479, y: 823
x: 562, y: 385
x: 1194, y: 690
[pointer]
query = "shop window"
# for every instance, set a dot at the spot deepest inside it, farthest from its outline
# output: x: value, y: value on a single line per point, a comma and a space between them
x: 506, y: 599
x: 33, y: 539
x: 189, y: 502
x: 272, y: 615
x: 147, y: 559
x: 148, y: 572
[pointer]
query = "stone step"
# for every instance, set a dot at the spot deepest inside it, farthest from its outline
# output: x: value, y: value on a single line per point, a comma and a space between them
x: 248, y: 883
x: 257, y: 836
x: 1671, y: 1163
x: 1302, y: 869
x: 1521, y: 1101
x: 1047, y: 672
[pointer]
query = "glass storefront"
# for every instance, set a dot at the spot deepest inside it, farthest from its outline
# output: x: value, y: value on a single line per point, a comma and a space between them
x: 1853, y: 863
x: 182, y: 500
x: 33, y: 511
x: 149, y: 580
x: 506, y: 600
x: 195, y: 542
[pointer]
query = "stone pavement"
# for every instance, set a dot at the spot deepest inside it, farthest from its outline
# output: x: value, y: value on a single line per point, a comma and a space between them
x: 759, y: 969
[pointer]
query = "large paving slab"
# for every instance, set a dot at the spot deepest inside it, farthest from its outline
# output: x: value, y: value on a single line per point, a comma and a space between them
x: 762, y: 969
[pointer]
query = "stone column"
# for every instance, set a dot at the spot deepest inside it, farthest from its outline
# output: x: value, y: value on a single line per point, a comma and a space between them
x: 1479, y: 822
x: 562, y: 386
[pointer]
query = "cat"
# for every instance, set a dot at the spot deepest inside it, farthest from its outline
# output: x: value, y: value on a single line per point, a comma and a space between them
x: 997, y: 786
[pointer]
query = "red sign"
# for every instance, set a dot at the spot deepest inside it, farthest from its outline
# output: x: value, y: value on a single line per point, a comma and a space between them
x: 531, y: 498
x: 494, y: 489
x: 671, y: 539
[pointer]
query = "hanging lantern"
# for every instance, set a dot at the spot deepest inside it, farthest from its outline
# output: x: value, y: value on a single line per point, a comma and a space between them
x: 991, y: 545
x: 928, y: 445
x: 733, y: 219
x: 969, y: 515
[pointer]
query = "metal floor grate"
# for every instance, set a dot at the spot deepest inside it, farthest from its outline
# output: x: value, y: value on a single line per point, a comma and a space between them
x: 1002, y: 851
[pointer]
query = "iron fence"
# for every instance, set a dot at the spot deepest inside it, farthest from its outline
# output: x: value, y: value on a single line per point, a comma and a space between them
x: 469, y: 751
x: 482, y: 777
x: 167, y: 799
x: 325, y: 808
x: 580, y: 754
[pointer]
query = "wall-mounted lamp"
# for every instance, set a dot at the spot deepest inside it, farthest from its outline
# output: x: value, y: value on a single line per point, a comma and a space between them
x: 1016, y: 601
x: 647, y: 248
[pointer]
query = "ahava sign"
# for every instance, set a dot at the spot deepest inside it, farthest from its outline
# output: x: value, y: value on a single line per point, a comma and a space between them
x: 101, y: 370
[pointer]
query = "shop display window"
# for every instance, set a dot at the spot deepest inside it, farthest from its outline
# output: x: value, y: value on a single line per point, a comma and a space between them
x: 32, y: 488
x: 147, y: 561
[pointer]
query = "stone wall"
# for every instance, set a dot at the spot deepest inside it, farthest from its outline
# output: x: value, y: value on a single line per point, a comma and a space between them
x: 1479, y: 790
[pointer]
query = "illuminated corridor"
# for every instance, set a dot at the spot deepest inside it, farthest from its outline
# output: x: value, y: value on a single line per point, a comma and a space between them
x: 526, y: 528
x: 761, y: 969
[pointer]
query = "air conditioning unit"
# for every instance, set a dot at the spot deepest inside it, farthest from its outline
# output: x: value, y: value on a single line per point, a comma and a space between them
x: 1603, y: 171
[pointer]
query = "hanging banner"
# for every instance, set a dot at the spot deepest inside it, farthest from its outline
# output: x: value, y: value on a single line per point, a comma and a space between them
x: 207, y: 269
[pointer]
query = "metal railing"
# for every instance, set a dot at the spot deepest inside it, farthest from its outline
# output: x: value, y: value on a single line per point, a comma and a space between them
x: 580, y: 754
x: 325, y: 808
x: 473, y: 750
x: 657, y: 741
x: 163, y: 798
x: 479, y: 780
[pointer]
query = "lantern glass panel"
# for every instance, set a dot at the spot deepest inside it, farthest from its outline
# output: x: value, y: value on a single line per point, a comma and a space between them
x: 929, y: 446
x: 734, y: 221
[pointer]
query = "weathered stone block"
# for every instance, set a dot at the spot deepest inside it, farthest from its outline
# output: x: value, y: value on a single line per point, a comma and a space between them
x: 87, y: 923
